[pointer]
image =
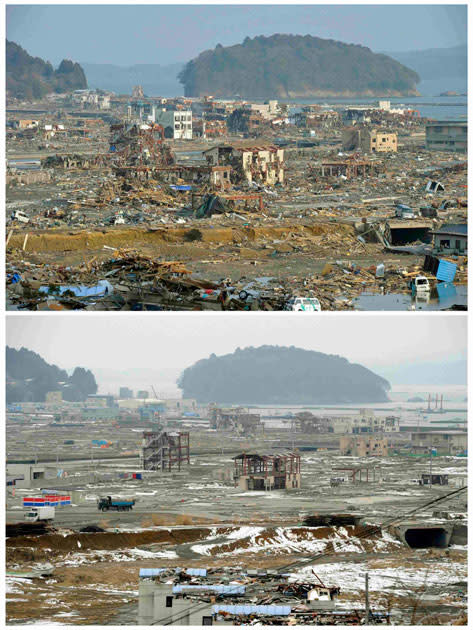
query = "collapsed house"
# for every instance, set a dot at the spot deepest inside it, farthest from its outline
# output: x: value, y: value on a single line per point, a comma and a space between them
x: 352, y: 167
x: 162, y: 450
x: 268, y: 472
x: 259, y: 164
x: 234, y: 418
x: 203, y: 597
x: 138, y: 145
x: 306, y: 422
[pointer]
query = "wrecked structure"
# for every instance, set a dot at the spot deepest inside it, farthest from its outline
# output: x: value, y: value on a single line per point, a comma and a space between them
x: 446, y: 135
x: 365, y: 422
x: 444, y: 442
x: 368, y: 140
x: 352, y: 167
x: 451, y: 239
x: 237, y: 419
x: 203, y: 597
x: 162, y: 450
x: 268, y: 471
x: 260, y: 164
x: 365, y: 446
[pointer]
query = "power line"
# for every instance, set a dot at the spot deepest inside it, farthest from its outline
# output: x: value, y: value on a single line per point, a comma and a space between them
x: 366, y: 533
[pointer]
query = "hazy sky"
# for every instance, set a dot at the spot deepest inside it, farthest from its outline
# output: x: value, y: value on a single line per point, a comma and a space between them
x: 126, y: 35
x: 175, y: 341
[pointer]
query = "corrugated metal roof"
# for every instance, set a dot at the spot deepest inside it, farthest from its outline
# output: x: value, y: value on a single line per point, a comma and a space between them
x: 452, y: 228
x: 249, y: 609
x: 221, y: 589
x: 446, y: 271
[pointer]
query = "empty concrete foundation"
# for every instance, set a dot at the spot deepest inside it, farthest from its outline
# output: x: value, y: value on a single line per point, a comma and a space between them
x: 405, y: 235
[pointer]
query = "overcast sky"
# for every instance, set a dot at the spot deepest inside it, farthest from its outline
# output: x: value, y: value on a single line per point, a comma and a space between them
x: 163, y: 34
x: 167, y: 343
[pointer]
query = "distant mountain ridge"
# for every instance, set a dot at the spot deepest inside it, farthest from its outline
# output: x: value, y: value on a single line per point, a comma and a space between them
x: 30, y: 77
x: 29, y: 378
x: 295, y: 66
x: 435, y: 63
x: 281, y: 375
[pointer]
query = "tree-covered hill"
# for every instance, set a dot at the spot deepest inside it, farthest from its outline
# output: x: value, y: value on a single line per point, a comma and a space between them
x: 32, y: 78
x: 281, y: 375
x: 295, y: 66
x: 29, y: 378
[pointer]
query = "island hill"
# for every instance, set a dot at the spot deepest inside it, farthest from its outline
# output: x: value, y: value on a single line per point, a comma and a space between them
x: 30, y: 77
x: 281, y: 375
x: 294, y: 66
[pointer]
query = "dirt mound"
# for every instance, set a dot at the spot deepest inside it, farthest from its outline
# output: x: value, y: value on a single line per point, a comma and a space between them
x: 131, y: 237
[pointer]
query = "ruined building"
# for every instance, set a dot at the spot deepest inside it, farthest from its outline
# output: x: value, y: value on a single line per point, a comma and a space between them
x: 368, y: 140
x: 268, y: 472
x: 260, y: 164
x: 234, y: 418
x: 364, y: 446
x: 162, y: 450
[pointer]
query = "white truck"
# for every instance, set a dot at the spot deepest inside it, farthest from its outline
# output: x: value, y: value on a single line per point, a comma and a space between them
x: 310, y: 304
x: 419, y: 285
x: 42, y: 513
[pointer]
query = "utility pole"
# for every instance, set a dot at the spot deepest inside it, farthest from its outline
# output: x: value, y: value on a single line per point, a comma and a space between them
x: 431, y: 461
x: 367, y: 600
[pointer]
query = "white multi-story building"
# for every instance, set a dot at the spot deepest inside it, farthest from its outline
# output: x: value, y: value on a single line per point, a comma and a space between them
x: 177, y: 123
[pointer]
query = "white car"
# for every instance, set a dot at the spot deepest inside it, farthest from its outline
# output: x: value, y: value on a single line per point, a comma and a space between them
x: 310, y: 304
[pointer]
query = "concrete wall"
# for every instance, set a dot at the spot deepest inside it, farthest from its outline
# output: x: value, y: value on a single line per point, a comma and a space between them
x: 450, y: 244
x: 382, y: 142
x: 446, y: 137
x: 152, y: 606
x: 364, y: 446
x: 30, y: 471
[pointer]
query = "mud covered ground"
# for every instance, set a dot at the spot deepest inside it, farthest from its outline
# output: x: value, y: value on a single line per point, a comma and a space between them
x: 193, y: 519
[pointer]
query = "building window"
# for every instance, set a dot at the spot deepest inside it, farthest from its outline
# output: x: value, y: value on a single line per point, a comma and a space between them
x: 445, y: 242
x: 169, y: 599
x: 207, y: 620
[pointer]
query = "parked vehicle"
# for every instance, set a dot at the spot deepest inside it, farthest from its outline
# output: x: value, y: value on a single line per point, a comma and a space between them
x: 419, y: 284
x: 310, y: 304
x: 45, y: 513
x: 119, y: 505
x: 404, y: 212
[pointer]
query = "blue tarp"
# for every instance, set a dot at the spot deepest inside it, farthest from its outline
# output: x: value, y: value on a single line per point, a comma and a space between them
x: 103, y: 287
x: 196, y: 572
x: 251, y: 610
x: 446, y: 271
x: 181, y: 187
